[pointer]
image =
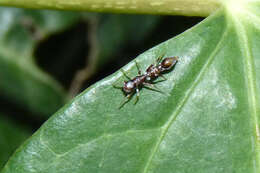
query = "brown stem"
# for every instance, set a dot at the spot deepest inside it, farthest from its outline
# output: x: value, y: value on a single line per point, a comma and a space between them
x: 91, y: 60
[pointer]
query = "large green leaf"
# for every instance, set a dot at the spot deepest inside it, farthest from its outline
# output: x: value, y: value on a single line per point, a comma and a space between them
x: 207, y: 120
x: 21, y: 79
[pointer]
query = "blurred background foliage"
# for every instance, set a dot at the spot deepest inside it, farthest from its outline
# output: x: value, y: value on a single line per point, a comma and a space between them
x: 48, y: 57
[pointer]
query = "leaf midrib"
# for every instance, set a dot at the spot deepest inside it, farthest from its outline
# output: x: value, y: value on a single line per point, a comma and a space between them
x: 251, y: 82
x: 185, y: 98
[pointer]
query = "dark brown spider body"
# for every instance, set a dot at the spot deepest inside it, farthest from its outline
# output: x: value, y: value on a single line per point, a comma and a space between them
x: 131, y: 85
x: 152, y: 72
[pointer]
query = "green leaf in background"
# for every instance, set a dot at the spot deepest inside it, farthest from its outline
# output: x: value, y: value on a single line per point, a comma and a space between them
x: 115, y: 30
x: 20, y: 78
x: 108, y: 34
x: 208, y: 120
x: 11, y: 136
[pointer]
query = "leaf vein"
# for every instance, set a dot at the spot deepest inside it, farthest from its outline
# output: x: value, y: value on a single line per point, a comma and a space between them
x: 175, y: 113
x: 251, y: 84
x: 100, y: 137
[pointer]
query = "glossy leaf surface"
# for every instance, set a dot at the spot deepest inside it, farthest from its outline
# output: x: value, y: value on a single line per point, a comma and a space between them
x: 207, y: 120
x: 21, y: 79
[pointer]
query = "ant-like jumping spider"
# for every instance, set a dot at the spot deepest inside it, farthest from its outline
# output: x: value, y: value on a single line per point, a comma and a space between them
x: 134, y: 85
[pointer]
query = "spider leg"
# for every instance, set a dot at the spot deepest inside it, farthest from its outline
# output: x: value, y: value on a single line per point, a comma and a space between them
x: 117, y: 87
x: 138, y: 68
x: 157, y: 81
x: 152, y: 87
x: 127, y: 99
x: 124, y: 73
x: 158, y: 60
x: 137, y: 95
x: 164, y: 78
